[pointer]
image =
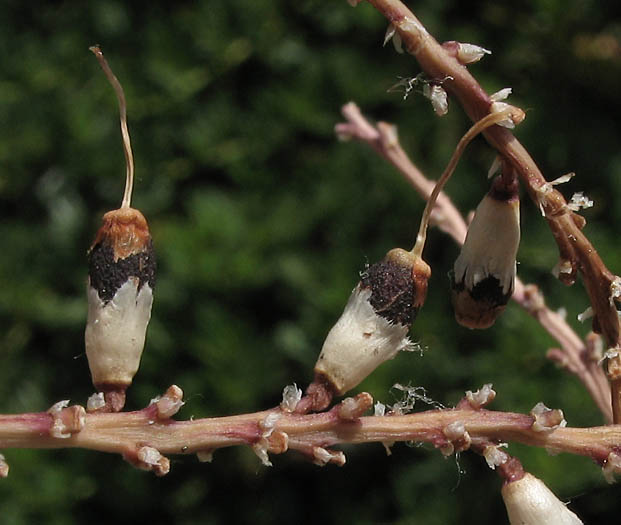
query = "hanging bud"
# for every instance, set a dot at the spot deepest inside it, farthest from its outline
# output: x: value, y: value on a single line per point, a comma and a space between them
x: 484, y: 273
x: 530, y: 502
x: 375, y: 323
x: 120, y: 285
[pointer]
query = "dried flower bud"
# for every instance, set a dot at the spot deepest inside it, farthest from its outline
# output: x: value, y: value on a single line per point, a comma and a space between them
x: 484, y: 272
x: 121, y: 279
x: 374, y: 325
x: 120, y: 295
x: 530, y: 502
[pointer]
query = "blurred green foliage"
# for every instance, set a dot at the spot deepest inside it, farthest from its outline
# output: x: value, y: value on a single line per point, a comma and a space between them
x: 262, y: 221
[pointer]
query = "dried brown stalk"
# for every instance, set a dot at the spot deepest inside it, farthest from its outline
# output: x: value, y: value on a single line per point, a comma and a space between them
x: 574, y: 353
x: 576, y: 252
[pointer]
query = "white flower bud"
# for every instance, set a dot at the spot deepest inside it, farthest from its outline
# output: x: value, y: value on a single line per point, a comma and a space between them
x: 530, y: 502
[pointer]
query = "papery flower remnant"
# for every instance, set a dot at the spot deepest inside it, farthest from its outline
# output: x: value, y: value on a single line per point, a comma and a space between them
x: 484, y: 273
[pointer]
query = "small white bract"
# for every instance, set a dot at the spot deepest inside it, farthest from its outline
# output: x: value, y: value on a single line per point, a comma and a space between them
x: 578, y: 201
x: 469, y: 53
x: 587, y: 314
x: 391, y: 33
x: 481, y: 397
x: 494, y: 456
x: 95, y: 402
x: 438, y: 97
x: 547, y: 419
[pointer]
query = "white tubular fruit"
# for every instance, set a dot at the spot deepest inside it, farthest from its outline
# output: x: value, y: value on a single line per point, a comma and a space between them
x: 115, y: 332
x: 530, y: 502
x: 121, y: 270
x: 358, y: 343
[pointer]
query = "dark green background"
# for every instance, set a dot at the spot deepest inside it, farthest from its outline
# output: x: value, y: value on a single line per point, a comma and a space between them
x: 262, y: 221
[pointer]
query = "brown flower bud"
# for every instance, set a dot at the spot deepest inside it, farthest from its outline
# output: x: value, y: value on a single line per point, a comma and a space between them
x: 374, y: 325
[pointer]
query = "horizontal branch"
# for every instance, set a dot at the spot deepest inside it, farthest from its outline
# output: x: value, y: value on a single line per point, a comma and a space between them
x: 142, y: 437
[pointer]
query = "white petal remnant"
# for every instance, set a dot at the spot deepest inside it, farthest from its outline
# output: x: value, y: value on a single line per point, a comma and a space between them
x: 358, y: 343
x: 291, y: 396
x: 587, y: 314
x: 391, y: 33
x: 497, y: 106
x: 495, y: 167
x: 530, y: 502
x: 469, y: 53
x: 615, y: 290
x: 66, y: 420
x: 149, y: 458
x: 612, y: 467
x: 494, y: 456
x: 323, y: 456
x: 260, y: 449
x: 4, y: 467
x: 483, y: 396
x: 458, y: 438
x: 547, y: 419
x: 562, y: 267
x: 579, y: 201
x: 379, y: 409
x: 170, y: 403
x: 439, y: 98
x: 503, y: 94
x: 205, y: 456
x: 95, y: 402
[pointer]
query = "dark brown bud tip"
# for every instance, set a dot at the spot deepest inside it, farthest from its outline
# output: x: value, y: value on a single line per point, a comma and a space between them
x: 122, y: 249
x: 481, y: 306
x: 398, y: 286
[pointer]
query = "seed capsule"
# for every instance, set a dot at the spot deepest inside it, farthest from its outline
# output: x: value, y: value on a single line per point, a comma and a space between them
x: 375, y: 323
x: 484, y: 273
x: 120, y: 286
